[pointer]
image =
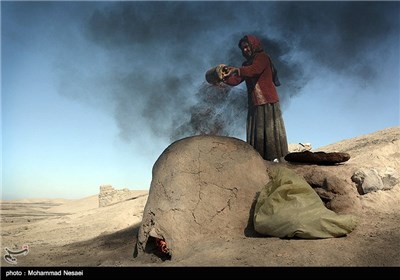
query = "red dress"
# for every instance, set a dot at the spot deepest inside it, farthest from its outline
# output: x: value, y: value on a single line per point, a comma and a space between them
x: 257, y: 73
x: 265, y: 127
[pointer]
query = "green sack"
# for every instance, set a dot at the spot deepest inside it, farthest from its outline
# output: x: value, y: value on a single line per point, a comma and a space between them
x: 289, y: 207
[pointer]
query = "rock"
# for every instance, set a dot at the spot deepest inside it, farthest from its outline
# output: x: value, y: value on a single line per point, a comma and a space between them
x: 109, y: 196
x: 333, y: 185
x: 300, y: 147
x: 374, y: 179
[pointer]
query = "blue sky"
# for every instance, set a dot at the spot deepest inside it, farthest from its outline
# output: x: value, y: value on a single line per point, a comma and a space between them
x: 93, y: 92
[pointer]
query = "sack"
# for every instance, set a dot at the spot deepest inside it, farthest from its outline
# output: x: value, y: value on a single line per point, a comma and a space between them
x: 275, y: 78
x: 288, y: 207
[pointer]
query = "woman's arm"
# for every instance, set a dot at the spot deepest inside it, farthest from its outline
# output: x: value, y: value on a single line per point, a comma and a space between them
x: 259, y: 64
x: 232, y: 78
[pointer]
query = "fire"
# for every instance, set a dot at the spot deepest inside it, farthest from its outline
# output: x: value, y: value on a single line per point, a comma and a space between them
x: 162, y: 245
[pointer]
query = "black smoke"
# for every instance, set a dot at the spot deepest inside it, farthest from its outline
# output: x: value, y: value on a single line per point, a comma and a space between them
x: 218, y: 111
x: 339, y: 35
x: 192, y: 37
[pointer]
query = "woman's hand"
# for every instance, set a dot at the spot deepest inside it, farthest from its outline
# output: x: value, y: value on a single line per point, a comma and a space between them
x: 229, y: 71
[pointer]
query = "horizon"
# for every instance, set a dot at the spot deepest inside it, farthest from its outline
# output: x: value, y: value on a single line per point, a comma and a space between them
x: 42, y: 199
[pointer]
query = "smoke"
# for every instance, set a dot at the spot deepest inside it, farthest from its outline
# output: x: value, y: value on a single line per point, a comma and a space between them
x: 218, y: 111
x: 172, y: 42
x: 339, y: 35
x: 160, y: 51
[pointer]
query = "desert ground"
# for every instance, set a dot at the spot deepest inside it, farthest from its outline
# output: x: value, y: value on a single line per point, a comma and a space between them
x: 79, y: 233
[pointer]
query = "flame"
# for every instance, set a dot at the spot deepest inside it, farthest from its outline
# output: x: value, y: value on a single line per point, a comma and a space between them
x: 162, y: 245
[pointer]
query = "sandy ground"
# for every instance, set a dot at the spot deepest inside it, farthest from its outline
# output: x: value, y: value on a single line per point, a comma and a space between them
x: 79, y: 233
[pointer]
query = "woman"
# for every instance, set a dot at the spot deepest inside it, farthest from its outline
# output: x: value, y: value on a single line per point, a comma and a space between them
x: 265, y: 127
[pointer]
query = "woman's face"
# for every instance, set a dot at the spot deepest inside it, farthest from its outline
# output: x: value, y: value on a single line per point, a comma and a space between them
x: 246, y: 49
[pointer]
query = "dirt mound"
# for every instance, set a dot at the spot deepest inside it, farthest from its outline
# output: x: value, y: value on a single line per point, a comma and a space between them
x: 378, y: 149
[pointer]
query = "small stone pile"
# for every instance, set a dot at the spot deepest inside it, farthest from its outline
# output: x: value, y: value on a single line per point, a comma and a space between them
x: 109, y: 196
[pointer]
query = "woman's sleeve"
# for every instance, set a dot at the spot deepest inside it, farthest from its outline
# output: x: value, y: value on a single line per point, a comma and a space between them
x: 233, y: 80
x: 260, y: 63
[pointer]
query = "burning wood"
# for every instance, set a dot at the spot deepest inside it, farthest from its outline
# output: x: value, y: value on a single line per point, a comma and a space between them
x: 162, y: 246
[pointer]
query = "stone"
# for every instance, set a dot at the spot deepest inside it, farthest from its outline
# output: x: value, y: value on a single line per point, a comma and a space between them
x: 109, y: 196
x: 375, y: 179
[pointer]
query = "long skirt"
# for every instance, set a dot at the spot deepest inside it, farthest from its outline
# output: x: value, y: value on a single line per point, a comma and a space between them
x: 266, y: 131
